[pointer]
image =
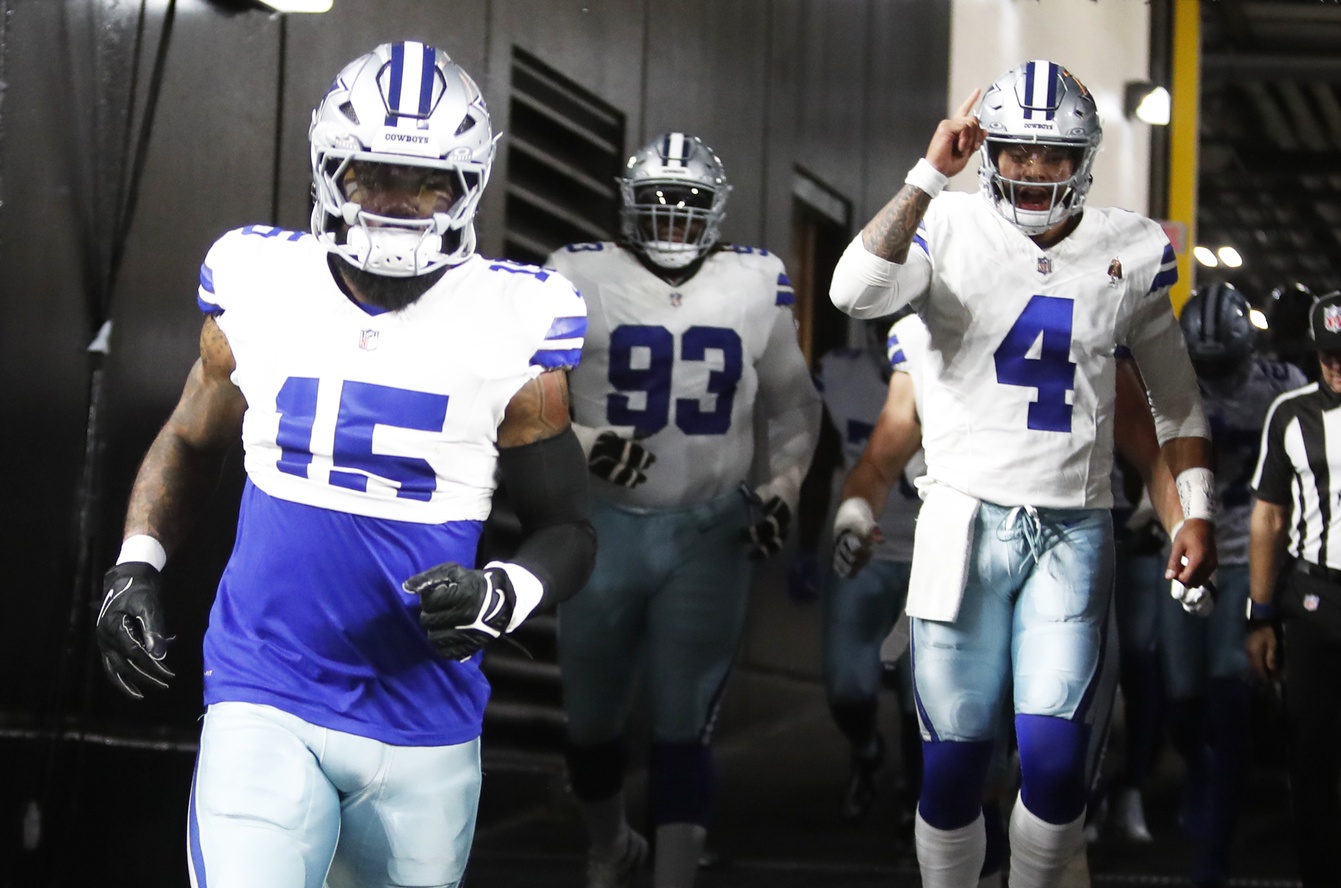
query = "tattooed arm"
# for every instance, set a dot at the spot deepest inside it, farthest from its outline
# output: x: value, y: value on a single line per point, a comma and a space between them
x: 544, y: 471
x: 879, y: 273
x: 183, y: 463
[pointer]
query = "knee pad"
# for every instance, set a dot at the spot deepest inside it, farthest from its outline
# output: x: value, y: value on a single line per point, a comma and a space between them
x: 597, y: 772
x: 680, y: 783
x: 1052, y: 766
x: 953, y: 776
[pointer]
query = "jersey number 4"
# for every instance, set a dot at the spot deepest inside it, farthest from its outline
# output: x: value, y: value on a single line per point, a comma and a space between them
x: 1045, y: 322
x: 641, y: 359
x: 363, y: 407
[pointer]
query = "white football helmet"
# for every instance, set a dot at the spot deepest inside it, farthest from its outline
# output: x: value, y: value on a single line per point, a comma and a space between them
x: 673, y: 199
x: 1039, y: 102
x: 404, y: 116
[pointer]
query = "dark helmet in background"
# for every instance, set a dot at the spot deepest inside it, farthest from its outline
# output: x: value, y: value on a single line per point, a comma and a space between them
x: 1217, y: 324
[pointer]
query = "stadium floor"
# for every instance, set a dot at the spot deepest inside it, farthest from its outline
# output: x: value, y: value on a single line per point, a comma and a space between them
x: 779, y: 826
x: 782, y: 765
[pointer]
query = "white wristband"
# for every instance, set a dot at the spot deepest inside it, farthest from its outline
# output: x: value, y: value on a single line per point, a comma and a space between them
x: 1196, y: 491
x: 143, y: 547
x: 926, y: 177
x: 527, y: 588
x: 854, y: 515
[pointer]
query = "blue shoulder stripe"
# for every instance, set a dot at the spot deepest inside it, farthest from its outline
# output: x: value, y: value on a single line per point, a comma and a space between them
x: 567, y: 328
x: 786, y: 295
x: 557, y: 358
x: 919, y: 237
x: 1166, y: 278
x: 206, y: 278
x: 208, y: 308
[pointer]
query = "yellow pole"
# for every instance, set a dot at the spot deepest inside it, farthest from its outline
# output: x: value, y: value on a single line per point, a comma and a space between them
x: 1185, y: 94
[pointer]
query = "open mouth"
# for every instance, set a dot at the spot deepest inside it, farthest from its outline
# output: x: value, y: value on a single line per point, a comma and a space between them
x: 1033, y: 198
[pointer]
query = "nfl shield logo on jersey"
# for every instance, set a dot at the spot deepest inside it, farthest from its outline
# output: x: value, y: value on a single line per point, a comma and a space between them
x: 1311, y: 602
x: 1331, y: 318
x: 368, y: 339
x: 1044, y: 265
x: 675, y: 299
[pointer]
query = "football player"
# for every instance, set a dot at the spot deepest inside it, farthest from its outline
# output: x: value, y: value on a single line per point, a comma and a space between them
x: 691, y: 342
x: 879, y: 469
x: 863, y: 600
x: 1025, y: 296
x: 379, y: 372
x: 1206, y: 663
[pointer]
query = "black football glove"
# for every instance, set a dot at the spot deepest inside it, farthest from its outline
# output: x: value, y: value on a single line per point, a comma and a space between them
x: 769, y: 523
x: 130, y: 628
x: 463, y: 610
x: 619, y: 460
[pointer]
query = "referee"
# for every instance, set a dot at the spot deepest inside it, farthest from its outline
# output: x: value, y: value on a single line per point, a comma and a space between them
x: 1297, y: 520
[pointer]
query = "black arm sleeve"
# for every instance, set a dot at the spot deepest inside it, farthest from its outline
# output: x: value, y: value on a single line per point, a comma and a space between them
x: 546, y: 482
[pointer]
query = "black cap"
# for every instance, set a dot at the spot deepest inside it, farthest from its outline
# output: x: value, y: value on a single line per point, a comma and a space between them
x: 1325, y: 323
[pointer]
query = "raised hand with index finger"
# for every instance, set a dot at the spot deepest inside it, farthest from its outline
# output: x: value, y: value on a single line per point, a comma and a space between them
x: 956, y: 138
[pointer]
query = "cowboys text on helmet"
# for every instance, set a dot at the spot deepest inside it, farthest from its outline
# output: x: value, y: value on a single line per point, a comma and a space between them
x: 401, y: 149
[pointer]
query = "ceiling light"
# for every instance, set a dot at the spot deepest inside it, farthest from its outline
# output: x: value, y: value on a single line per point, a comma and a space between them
x: 1205, y: 256
x: 297, y: 5
x: 1258, y: 319
x: 1229, y: 256
x: 1147, y: 102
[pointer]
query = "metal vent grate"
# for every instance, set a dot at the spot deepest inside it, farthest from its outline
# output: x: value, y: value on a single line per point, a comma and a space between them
x: 565, y: 146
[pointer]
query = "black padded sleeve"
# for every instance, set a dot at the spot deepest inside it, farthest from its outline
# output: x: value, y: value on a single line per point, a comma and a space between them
x: 546, y: 482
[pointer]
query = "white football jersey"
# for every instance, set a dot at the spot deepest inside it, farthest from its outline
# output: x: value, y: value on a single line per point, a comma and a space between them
x: 684, y: 368
x: 1236, y: 418
x: 1019, y: 393
x: 392, y: 414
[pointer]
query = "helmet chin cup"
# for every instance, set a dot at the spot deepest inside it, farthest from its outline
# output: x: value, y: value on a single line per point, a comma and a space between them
x: 393, y: 252
x: 1030, y: 222
x: 668, y: 254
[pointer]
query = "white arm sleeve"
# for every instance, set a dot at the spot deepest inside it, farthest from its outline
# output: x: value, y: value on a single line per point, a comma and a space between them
x: 1156, y: 342
x: 866, y: 286
x: 792, y: 411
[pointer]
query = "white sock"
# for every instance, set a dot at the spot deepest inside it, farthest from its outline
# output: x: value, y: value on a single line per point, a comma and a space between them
x: 679, y: 847
x: 606, y: 824
x: 1041, y: 851
x: 950, y: 858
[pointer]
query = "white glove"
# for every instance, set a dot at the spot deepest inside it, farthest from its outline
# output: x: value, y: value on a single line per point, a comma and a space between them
x: 1198, y: 601
x: 853, y: 527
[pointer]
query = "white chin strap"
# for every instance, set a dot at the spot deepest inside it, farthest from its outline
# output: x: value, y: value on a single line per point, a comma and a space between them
x: 669, y: 254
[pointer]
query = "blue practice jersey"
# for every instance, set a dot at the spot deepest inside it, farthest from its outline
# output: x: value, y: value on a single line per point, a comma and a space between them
x: 370, y: 443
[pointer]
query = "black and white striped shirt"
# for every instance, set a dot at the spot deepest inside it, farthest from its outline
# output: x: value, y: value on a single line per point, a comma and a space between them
x: 1300, y: 466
